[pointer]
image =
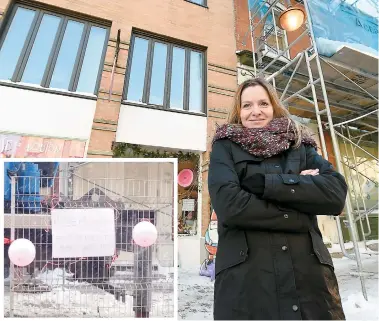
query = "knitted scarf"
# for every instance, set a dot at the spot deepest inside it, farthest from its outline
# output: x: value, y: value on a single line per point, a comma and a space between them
x: 276, y: 137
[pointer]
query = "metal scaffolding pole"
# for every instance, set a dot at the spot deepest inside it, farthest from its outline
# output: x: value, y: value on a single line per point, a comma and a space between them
x: 281, y: 53
x: 342, y: 74
x: 353, y: 189
x: 351, y: 142
x: 288, y: 65
x: 350, y: 68
x: 272, y: 5
x: 348, y: 207
x: 308, y: 81
x: 360, y: 193
x: 354, y: 119
x: 318, y: 117
x: 293, y: 73
x: 252, y: 40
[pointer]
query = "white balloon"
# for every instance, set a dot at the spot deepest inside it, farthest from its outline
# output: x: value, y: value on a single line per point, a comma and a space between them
x: 145, y: 234
x: 22, y: 252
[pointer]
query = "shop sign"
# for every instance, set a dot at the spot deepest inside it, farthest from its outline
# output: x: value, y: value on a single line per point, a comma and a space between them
x: 19, y: 146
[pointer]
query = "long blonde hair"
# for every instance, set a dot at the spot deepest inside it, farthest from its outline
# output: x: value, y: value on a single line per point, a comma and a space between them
x: 279, y: 109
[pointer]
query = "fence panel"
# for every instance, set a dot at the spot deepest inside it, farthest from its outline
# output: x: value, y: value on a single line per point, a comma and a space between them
x: 133, y: 282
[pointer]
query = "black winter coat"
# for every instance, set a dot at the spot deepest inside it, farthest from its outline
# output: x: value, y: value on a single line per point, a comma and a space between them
x: 271, y: 261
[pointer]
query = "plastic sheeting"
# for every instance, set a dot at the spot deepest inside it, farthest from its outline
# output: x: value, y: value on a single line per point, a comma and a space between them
x: 337, y: 24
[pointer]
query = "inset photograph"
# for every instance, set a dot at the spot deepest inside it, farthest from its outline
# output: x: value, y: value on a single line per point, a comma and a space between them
x: 89, y: 239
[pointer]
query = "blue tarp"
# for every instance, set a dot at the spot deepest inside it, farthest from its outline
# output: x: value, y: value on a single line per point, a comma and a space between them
x: 337, y: 23
x: 31, y: 176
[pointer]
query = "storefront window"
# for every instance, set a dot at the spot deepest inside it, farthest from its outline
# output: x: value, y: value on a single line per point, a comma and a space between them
x: 188, y: 198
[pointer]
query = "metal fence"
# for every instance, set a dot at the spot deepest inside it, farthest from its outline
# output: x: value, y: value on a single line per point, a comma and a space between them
x: 134, y: 282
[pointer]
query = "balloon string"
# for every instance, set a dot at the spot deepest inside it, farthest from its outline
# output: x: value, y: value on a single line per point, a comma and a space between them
x: 114, y: 258
x: 54, y: 202
x: 19, y: 275
x: 7, y: 241
x: 47, y: 263
x: 57, y: 264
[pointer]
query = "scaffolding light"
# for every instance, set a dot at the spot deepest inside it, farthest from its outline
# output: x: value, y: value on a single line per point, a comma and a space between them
x: 291, y: 19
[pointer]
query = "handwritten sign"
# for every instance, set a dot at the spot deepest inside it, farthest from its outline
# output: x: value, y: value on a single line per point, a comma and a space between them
x: 83, y: 232
x: 188, y: 205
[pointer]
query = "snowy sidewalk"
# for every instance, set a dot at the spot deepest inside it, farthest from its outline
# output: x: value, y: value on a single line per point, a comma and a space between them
x: 196, y: 292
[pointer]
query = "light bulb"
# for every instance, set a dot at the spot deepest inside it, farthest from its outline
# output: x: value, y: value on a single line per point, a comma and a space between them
x: 291, y: 19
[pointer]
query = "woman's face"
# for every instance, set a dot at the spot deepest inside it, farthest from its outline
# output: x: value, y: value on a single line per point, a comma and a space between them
x: 256, y: 108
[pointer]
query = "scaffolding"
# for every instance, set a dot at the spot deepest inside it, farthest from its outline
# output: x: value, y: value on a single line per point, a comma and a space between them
x: 339, y: 92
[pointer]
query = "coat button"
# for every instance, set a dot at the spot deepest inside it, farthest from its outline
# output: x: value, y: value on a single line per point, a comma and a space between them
x: 295, y: 308
x: 285, y: 215
x: 242, y: 253
x: 291, y: 180
x: 292, y: 191
x: 284, y: 248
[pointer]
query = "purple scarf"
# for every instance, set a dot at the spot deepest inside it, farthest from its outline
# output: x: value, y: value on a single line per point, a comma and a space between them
x: 273, y: 139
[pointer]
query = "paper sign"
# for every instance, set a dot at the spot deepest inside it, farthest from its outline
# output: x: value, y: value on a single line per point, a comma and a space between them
x: 83, y: 232
x: 188, y: 205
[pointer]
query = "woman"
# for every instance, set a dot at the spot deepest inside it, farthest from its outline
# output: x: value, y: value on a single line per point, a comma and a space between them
x: 267, y: 184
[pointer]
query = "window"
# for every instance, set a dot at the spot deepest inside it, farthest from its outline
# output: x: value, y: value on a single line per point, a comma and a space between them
x: 54, y: 51
x: 276, y: 38
x: 166, y: 75
x: 199, y: 2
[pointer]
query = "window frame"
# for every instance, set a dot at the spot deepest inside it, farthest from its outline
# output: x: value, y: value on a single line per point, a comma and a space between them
x: 171, y: 43
x: 267, y: 51
x: 205, y: 5
x: 54, y: 52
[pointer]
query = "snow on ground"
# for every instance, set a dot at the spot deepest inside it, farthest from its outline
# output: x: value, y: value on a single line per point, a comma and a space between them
x: 81, y: 299
x: 86, y: 301
x: 349, y: 246
x: 196, y: 292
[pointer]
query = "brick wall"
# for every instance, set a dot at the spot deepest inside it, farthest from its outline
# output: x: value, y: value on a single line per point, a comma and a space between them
x: 213, y: 27
x: 242, y: 29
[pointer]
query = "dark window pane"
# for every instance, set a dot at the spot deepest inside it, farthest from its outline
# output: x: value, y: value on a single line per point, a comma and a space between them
x: 67, y: 55
x: 202, y: 2
x: 91, y: 62
x: 177, y: 78
x: 158, y: 74
x: 137, y: 72
x: 14, y: 41
x: 196, y: 82
x: 41, y: 50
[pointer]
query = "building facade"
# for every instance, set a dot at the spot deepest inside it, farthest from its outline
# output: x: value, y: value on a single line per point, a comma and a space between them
x: 143, y: 79
x: 171, y: 67
x: 88, y: 78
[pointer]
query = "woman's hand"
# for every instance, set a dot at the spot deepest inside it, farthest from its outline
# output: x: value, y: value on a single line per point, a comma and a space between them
x: 312, y: 172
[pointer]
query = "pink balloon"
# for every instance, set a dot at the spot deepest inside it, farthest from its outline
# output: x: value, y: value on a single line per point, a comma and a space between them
x: 185, y: 177
x: 22, y: 252
x: 145, y: 234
